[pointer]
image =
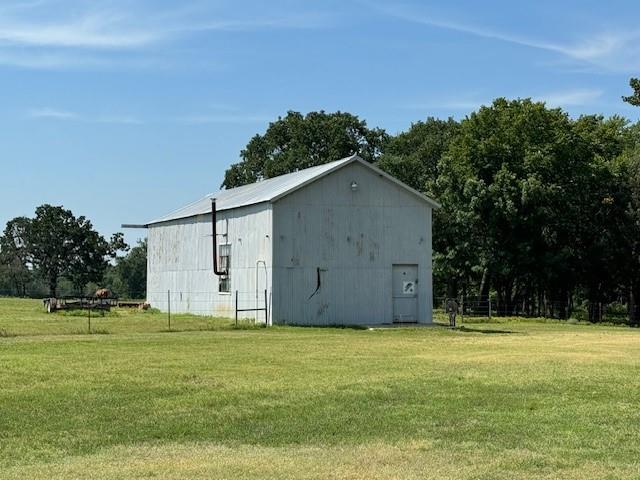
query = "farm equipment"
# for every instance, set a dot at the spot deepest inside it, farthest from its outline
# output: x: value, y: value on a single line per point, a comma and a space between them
x: 79, y: 303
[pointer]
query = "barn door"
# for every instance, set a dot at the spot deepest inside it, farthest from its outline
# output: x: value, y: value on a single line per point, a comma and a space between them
x: 405, y: 293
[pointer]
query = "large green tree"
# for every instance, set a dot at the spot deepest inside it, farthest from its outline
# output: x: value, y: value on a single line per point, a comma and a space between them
x: 298, y: 141
x: 634, y: 235
x: 539, y: 208
x: 413, y: 156
x: 628, y: 229
x: 601, y: 225
x: 62, y: 245
x: 506, y: 185
x: 14, y: 254
x: 128, y: 277
x: 631, y: 168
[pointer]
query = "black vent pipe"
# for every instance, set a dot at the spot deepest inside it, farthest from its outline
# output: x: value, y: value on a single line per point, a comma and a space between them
x: 215, y: 240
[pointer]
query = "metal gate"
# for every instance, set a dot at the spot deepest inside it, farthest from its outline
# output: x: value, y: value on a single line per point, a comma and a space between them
x: 259, y: 306
x: 405, y: 293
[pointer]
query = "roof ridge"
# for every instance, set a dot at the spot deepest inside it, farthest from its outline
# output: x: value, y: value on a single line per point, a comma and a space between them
x: 270, y: 179
x: 273, y: 189
x: 279, y: 186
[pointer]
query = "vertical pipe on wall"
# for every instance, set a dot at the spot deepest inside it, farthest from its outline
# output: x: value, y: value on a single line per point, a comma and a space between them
x: 215, y: 239
x: 266, y: 282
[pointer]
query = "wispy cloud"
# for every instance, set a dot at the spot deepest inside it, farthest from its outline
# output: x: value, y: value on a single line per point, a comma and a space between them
x: 289, y: 21
x: 36, y: 59
x: 104, y: 31
x: 51, y: 60
x: 227, y: 115
x: 121, y: 119
x: 51, y: 113
x: 571, y: 98
x: 613, y: 50
x: 48, y: 113
x: 94, y: 30
x: 224, y: 118
x: 47, y: 34
x: 578, y: 97
x: 11, y: 7
x: 445, y: 104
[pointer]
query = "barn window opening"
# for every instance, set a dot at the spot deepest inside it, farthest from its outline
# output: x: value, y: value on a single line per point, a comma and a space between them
x: 224, y: 260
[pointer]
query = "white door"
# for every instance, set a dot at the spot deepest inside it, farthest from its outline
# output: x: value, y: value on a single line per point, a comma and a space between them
x: 405, y: 293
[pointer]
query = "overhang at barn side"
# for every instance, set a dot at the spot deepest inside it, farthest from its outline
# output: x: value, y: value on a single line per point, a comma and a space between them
x: 180, y: 257
x: 346, y: 245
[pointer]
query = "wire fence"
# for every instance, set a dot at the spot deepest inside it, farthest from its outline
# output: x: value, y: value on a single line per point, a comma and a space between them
x: 239, y: 305
x: 39, y: 294
x: 166, y: 311
x: 197, y: 310
x: 479, y: 307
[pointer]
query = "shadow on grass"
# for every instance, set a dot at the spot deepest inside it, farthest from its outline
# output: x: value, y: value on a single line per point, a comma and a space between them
x: 6, y: 334
x: 331, y: 326
x: 215, y: 328
x: 94, y: 331
x: 483, y: 330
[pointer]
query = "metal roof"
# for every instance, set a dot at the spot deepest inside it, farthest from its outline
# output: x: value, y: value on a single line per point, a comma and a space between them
x: 271, y: 190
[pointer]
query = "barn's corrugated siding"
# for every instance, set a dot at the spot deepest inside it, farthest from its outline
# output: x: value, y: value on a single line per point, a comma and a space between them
x: 180, y: 261
x: 356, y: 237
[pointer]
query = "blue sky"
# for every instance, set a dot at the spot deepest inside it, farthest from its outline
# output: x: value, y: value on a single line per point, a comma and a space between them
x: 123, y: 110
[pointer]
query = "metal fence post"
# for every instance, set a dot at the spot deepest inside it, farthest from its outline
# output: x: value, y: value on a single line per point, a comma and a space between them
x: 489, y: 308
x: 236, y: 308
x: 266, y: 309
x: 89, y: 310
x: 169, y: 308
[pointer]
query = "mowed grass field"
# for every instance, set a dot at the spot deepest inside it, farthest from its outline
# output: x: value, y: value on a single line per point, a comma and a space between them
x: 515, y: 400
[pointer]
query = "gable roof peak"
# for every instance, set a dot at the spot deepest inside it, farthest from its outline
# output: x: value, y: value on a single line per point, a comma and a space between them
x: 272, y: 189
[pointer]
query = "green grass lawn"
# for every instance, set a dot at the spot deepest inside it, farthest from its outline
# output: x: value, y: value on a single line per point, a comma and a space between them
x: 514, y: 400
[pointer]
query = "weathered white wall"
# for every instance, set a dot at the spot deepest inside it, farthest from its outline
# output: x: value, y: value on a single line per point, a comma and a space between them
x: 356, y: 237
x: 180, y: 261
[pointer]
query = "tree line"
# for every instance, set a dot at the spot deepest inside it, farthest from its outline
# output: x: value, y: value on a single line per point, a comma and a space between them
x: 56, y: 253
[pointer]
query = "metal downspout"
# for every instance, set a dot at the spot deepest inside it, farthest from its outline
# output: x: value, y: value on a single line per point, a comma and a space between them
x: 215, y: 240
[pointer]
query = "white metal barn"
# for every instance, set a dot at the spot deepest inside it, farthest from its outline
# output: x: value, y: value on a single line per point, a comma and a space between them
x: 338, y: 244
